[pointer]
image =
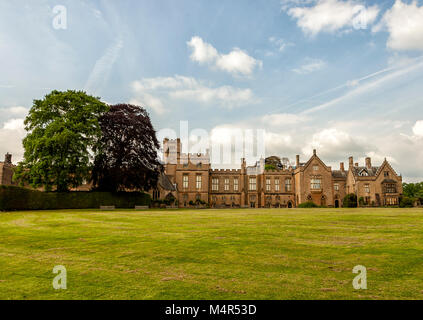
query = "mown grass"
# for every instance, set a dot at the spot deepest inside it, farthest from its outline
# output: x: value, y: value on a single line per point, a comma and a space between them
x: 212, y: 254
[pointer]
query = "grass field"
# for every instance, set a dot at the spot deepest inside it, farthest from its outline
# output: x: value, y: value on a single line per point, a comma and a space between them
x: 212, y: 254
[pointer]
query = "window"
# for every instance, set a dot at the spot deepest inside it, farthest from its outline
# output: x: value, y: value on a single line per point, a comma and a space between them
x: 288, y: 185
x: 315, y: 168
x: 390, y: 188
x: 277, y: 185
x: 199, y: 181
x: 253, y: 184
x: 336, y: 186
x: 367, y: 188
x: 268, y: 184
x: 236, y: 184
x: 316, y: 184
x: 215, y: 184
x: 386, y: 173
x: 391, y: 201
x: 185, y: 181
x: 226, y: 184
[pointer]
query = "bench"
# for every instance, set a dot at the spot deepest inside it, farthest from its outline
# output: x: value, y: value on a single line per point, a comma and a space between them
x: 142, y: 207
x: 107, y: 207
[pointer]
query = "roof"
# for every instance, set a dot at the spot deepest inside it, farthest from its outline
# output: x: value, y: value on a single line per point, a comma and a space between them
x: 339, y: 174
x: 371, y: 172
x: 389, y: 181
x: 165, y: 183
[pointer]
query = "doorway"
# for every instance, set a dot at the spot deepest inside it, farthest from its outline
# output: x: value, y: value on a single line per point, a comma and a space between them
x: 336, y: 203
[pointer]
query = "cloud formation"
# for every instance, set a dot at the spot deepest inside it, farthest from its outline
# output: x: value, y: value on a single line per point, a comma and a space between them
x: 310, y: 65
x: 331, y: 15
x: 404, y: 22
x: 237, y: 62
x: 187, y: 88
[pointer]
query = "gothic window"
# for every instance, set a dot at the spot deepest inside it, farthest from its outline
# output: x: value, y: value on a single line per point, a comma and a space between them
x: 277, y: 184
x: 336, y: 186
x: 236, y: 184
x: 199, y: 181
x: 215, y: 184
x: 367, y: 188
x: 288, y: 185
x: 253, y: 184
x: 268, y: 184
x: 316, y: 184
x: 226, y: 184
x: 185, y: 181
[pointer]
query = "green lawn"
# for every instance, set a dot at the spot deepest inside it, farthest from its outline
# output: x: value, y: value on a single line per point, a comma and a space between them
x: 212, y: 254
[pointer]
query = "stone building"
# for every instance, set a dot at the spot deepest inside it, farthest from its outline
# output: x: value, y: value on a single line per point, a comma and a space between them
x: 270, y: 183
x: 6, y: 171
x: 273, y: 184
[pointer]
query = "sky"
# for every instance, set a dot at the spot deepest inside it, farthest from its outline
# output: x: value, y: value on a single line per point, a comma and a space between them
x: 344, y: 77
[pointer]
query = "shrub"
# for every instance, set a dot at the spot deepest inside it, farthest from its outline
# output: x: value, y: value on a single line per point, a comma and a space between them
x: 308, y: 204
x: 15, y: 198
x: 350, y: 201
x: 406, y: 202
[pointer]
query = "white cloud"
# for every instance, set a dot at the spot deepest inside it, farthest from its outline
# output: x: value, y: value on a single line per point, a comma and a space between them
x: 332, y: 15
x: 418, y: 128
x: 283, y: 119
x: 11, y: 135
x: 14, y: 124
x: 16, y: 111
x: 202, y: 52
x: 310, y: 65
x: 404, y: 23
x: 227, y: 95
x: 280, y: 44
x: 147, y: 100
x: 333, y: 142
x: 236, y: 62
x: 187, y: 88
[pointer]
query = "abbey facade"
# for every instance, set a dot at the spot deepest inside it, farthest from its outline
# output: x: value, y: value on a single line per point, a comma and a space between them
x: 272, y: 184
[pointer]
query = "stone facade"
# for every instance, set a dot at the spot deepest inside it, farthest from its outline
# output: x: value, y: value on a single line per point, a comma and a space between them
x: 189, y: 178
x: 282, y: 186
x: 6, y: 171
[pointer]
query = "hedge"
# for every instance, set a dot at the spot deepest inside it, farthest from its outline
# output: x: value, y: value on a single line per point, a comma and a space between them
x: 15, y: 198
x: 308, y: 204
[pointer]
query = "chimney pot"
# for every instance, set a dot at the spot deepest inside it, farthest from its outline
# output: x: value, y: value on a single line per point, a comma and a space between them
x: 356, y: 164
x: 351, y: 162
x: 314, y: 152
x: 368, y: 162
x: 342, y: 166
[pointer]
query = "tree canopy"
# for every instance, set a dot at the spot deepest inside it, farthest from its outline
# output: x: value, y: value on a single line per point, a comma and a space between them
x: 126, y: 156
x: 413, y: 190
x: 63, y: 129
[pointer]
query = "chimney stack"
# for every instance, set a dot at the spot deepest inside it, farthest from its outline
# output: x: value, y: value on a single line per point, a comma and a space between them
x: 8, y: 158
x: 351, y: 162
x: 342, y: 166
x: 369, y: 162
x: 298, y: 161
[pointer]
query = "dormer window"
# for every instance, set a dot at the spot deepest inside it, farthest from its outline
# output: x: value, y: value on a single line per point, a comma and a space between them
x: 363, y: 173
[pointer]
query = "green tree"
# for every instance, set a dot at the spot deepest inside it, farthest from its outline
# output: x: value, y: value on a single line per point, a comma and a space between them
x: 63, y: 130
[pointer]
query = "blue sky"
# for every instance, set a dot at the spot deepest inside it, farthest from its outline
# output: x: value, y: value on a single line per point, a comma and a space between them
x: 341, y: 76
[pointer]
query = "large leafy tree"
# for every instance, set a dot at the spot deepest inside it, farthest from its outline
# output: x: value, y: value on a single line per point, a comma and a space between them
x: 413, y: 190
x: 63, y: 129
x: 126, y: 157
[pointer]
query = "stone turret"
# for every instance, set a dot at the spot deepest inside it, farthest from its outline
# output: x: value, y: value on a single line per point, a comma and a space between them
x: 8, y: 159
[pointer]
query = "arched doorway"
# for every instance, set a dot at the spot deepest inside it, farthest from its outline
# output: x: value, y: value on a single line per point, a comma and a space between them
x: 290, y: 205
x: 336, y: 203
